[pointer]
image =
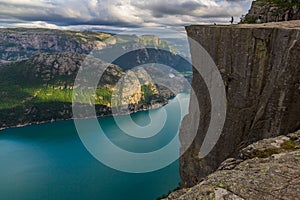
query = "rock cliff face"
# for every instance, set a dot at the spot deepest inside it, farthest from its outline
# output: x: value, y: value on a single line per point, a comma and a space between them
x: 273, y: 11
x: 17, y: 44
x: 260, y: 68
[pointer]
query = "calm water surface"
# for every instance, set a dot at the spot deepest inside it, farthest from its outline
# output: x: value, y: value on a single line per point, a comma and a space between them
x: 48, y: 161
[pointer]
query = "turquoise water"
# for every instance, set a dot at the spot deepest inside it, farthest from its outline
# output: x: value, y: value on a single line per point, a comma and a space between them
x: 48, y: 161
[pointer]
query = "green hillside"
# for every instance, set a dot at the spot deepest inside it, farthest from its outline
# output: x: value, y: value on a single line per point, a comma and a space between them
x: 41, y: 89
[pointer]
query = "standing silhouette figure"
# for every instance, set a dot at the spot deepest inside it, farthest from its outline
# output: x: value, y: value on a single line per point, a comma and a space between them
x: 231, y: 21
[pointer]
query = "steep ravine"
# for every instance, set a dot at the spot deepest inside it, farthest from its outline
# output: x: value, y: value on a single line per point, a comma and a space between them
x: 260, y: 68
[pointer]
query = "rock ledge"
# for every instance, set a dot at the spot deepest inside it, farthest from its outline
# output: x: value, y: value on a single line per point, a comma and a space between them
x: 267, y: 169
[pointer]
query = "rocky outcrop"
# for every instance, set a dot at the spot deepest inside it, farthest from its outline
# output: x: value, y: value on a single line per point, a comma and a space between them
x: 268, y: 169
x: 259, y: 65
x: 61, y: 69
x: 273, y: 11
x: 18, y: 44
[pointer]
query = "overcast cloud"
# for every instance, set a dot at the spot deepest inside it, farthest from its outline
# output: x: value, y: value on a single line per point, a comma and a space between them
x: 118, y: 14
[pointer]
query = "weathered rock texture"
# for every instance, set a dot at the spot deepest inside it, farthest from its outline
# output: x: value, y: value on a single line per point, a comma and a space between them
x: 273, y: 11
x: 260, y: 68
x: 18, y: 43
x: 268, y: 169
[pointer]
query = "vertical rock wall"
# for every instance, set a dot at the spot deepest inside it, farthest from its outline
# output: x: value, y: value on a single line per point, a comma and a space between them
x: 260, y: 68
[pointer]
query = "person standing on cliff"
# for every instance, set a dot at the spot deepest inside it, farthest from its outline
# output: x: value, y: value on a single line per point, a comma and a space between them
x: 258, y: 21
x: 231, y: 21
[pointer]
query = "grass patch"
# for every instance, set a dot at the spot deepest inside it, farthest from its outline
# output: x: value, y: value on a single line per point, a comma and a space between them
x: 288, y: 145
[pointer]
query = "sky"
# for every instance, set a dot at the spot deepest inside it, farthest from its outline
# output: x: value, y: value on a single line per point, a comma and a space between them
x: 118, y: 15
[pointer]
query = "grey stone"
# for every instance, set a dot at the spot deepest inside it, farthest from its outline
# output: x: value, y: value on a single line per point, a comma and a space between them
x: 259, y: 64
x: 274, y: 177
x: 284, y: 10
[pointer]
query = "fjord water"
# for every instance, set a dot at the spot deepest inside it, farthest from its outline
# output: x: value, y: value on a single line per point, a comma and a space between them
x: 48, y: 161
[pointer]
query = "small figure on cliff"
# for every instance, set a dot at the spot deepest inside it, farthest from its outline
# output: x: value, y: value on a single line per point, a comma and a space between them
x: 231, y: 21
x: 258, y: 21
x: 242, y: 18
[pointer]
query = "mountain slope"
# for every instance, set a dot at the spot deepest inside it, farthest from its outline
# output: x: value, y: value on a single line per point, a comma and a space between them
x: 41, y: 89
x: 22, y: 43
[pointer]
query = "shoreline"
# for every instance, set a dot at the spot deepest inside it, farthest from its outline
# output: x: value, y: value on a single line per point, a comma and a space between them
x: 153, y: 107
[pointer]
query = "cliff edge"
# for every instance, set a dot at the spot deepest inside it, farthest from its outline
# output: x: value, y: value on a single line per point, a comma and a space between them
x: 259, y: 65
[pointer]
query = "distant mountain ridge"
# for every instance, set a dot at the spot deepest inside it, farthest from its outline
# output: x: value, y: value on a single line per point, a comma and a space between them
x: 22, y: 43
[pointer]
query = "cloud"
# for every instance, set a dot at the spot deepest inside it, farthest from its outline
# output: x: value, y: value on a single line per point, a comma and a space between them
x: 118, y: 13
x: 163, y: 8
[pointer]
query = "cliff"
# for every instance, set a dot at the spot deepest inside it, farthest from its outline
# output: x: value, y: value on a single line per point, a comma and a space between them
x: 22, y: 43
x: 273, y: 11
x: 259, y: 65
x: 267, y: 169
